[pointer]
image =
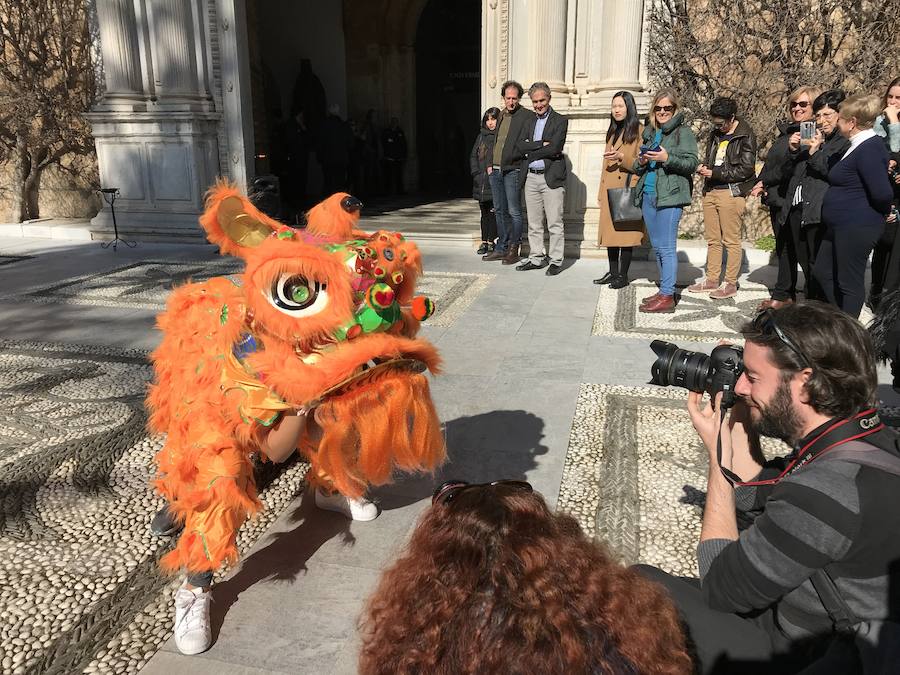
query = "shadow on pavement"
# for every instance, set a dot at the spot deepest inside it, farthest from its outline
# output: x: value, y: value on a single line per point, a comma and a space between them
x: 498, y: 445
x: 283, y: 558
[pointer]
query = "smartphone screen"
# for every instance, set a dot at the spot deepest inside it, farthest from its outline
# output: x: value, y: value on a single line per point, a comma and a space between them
x: 807, y: 131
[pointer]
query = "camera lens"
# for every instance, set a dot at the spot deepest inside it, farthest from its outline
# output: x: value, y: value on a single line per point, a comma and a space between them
x: 679, y: 367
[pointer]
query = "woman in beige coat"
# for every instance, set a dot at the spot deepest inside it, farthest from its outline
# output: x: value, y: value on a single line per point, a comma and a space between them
x: 623, y: 140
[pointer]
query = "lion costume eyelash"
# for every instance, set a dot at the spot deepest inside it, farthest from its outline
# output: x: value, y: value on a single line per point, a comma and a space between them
x: 310, y: 313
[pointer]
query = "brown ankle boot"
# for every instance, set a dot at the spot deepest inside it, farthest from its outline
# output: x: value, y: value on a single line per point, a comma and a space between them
x: 662, y: 304
x: 494, y: 255
x: 650, y: 298
x: 512, y: 256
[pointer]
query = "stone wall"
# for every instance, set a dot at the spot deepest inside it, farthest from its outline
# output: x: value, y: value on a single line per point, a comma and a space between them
x: 63, y: 194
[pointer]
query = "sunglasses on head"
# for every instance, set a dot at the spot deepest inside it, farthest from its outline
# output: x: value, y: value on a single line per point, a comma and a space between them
x: 765, y: 322
x: 447, y: 490
x: 663, y: 108
x: 799, y: 104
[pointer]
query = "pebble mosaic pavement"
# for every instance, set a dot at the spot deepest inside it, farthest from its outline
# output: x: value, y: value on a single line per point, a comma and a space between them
x: 145, y: 285
x: 12, y: 259
x: 696, y: 317
x: 79, y: 584
x: 78, y: 566
x: 635, y: 448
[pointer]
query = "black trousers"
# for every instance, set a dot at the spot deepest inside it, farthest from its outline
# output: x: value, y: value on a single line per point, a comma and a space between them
x: 488, y: 221
x: 730, y: 644
x: 796, y: 244
x: 841, y: 264
x: 881, y: 259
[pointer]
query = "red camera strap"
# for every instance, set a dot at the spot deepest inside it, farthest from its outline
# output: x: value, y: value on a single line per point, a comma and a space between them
x: 838, y: 432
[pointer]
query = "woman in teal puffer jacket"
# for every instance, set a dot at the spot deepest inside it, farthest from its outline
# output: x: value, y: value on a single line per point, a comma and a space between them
x: 666, y: 167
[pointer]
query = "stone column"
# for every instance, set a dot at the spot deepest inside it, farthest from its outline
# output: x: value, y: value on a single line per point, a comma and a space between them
x: 176, y: 36
x: 538, y: 42
x: 121, y: 55
x: 620, y: 63
x: 162, y: 154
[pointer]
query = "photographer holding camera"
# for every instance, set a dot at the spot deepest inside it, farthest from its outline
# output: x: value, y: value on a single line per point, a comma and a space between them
x: 813, y: 578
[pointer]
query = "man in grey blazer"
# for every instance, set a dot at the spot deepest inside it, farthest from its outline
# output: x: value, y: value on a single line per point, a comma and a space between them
x: 544, y: 177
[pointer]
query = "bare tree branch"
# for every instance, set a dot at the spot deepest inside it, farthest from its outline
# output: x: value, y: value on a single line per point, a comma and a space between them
x: 47, y: 83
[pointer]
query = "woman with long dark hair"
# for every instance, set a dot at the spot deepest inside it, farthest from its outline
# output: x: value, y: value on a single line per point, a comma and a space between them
x: 479, y: 166
x: 493, y: 582
x: 623, y: 139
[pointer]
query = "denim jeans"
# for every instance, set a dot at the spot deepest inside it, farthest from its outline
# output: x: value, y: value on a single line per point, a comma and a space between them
x: 662, y: 227
x: 507, y: 207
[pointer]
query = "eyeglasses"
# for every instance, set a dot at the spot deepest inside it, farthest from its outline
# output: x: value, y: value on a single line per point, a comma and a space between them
x: 765, y: 322
x: 799, y: 104
x: 663, y: 108
x: 825, y: 115
x: 446, y: 491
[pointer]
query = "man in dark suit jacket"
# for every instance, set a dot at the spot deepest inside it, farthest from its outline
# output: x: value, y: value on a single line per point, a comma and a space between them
x: 543, y: 175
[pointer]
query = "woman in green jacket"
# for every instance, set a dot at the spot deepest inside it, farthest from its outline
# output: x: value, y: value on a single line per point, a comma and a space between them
x: 666, y: 167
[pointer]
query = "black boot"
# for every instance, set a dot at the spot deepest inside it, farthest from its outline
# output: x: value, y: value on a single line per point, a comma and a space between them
x: 620, y: 281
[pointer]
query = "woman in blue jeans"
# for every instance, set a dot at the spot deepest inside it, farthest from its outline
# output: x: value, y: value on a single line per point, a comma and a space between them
x: 666, y: 167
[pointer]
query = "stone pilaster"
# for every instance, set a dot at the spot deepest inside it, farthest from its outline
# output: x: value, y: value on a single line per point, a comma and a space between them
x: 156, y: 127
x: 121, y: 55
x: 620, y: 64
x: 538, y: 42
x: 178, y: 38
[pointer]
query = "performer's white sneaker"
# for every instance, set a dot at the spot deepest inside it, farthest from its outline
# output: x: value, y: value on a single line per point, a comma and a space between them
x: 192, y: 631
x: 356, y: 509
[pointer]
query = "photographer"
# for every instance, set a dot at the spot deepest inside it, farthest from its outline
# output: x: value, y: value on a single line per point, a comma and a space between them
x: 825, y: 526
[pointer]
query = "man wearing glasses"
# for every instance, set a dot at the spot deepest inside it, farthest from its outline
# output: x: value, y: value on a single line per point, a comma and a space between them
x: 811, y: 575
x: 729, y: 171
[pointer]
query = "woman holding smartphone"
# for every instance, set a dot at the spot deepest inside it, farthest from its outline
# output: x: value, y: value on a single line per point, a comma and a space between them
x: 622, y: 141
x: 666, y: 165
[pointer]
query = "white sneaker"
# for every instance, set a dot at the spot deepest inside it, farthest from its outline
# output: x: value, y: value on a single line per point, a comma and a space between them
x: 356, y: 509
x: 192, y: 632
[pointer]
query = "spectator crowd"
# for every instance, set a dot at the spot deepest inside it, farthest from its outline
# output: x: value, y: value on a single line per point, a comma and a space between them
x: 830, y: 183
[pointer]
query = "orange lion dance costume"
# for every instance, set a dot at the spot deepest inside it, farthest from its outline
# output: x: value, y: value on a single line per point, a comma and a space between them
x: 323, y: 318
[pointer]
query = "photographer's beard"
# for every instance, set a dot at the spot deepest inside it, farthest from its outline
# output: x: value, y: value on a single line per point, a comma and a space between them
x: 778, y: 418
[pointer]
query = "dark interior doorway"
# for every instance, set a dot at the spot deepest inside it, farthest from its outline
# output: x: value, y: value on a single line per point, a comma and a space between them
x: 448, y: 93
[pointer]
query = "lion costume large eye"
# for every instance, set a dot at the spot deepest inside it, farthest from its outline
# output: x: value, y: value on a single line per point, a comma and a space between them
x: 297, y: 296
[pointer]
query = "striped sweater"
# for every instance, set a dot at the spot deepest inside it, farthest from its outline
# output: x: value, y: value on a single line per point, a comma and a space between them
x: 831, y: 514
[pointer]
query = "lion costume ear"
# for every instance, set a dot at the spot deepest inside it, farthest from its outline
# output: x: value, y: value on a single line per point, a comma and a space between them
x: 232, y: 222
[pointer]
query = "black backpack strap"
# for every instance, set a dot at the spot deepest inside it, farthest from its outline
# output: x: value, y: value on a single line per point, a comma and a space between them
x: 865, y: 454
x: 842, y: 617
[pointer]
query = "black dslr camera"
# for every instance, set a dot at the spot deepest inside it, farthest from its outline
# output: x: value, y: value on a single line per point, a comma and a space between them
x: 698, y: 372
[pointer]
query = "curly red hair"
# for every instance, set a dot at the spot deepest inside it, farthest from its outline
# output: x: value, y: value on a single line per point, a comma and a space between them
x: 493, y: 582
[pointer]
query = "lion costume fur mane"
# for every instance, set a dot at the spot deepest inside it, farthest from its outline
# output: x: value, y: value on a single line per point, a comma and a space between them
x: 311, y: 310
